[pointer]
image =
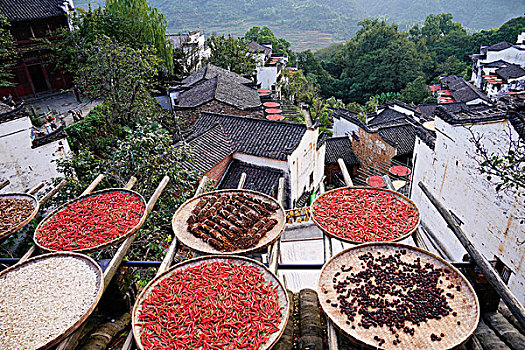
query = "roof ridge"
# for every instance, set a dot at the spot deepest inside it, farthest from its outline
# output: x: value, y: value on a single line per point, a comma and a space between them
x: 255, y: 119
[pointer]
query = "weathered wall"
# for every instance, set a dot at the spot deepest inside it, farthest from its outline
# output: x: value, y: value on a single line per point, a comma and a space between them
x: 188, y: 116
x: 267, y: 76
x: 488, y: 218
x: 216, y: 173
x: 23, y: 166
x: 343, y: 127
x: 371, y: 149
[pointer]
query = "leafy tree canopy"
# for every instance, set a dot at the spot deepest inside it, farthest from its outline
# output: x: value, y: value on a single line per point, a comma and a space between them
x: 231, y: 53
x: 8, y: 53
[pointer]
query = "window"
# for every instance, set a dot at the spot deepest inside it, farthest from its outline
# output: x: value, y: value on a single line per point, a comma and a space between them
x: 504, y: 271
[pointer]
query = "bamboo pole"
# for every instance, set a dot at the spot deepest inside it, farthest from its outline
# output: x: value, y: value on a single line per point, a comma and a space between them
x: 241, y: 181
x: 275, y: 250
x: 36, y: 188
x: 344, y: 170
x: 166, y: 262
x: 114, y: 264
x: 51, y: 193
x: 4, y: 184
x: 482, y: 263
x: 88, y: 190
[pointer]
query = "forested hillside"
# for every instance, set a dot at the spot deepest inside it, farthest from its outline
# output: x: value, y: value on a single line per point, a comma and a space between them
x: 291, y: 18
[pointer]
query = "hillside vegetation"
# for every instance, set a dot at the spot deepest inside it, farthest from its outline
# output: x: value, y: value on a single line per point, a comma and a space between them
x: 288, y: 18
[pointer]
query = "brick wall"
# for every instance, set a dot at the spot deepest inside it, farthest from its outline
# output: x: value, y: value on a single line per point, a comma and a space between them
x: 190, y: 115
x: 216, y: 173
x: 371, y: 149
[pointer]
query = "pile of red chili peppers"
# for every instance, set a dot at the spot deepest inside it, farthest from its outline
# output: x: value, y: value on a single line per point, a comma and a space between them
x: 365, y: 215
x: 92, y: 221
x: 217, y: 305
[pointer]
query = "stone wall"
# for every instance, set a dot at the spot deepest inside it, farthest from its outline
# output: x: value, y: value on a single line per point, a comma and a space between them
x: 371, y: 149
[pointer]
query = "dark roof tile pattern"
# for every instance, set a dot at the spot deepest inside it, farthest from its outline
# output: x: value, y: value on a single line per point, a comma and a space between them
x: 221, y: 89
x: 261, y: 138
x: 258, y: 178
x: 25, y: 10
x: 210, y: 71
x: 511, y: 71
x: 499, y: 46
x: 427, y: 110
x: 497, y: 63
x: 402, y: 137
x: 208, y: 149
x: 256, y: 47
x: 463, y: 91
x: 340, y: 147
x: 427, y: 136
x: 388, y: 115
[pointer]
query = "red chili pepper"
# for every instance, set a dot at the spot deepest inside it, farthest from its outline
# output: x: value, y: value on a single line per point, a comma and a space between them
x: 92, y: 221
x: 214, y: 305
x: 365, y: 215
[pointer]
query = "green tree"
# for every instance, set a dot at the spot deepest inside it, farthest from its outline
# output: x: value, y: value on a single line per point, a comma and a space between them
x: 265, y: 35
x: 416, y: 92
x: 143, y: 24
x: 119, y: 75
x: 231, y: 53
x: 8, y: 53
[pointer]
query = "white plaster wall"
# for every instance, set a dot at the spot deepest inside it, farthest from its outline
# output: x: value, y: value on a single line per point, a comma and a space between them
x: 260, y: 161
x: 267, y: 76
x: 23, y: 166
x: 343, y: 127
x: 489, y: 219
x: 511, y: 55
x: 305, y: 160
x: 402, y: 109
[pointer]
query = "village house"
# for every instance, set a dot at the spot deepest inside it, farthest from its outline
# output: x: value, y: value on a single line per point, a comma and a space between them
x: 495, y: 56
x: 456, y: 89
x: 269, y: 67
x: 445, y: 162
x: 190, y: 50
x: 388, y: 136
x: 225, y: 146
x: 339, y: 148
x: 214, y: 90
x: 35, y: 19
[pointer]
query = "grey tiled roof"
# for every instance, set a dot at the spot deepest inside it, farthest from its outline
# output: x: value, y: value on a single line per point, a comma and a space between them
x: 427, y: 110
x: 463, y: 91
x: 258, y: 178
x: 210, y: 71
x: 497, y: 63
x: 256, y: 47
x: 208, y: 149
x: 499, y: 46
x: 402, y: 137
x: 340, y: 147
x: 24, y: 10
x: 262, y: 138
x: 511, y: 71
x: 388, y: 115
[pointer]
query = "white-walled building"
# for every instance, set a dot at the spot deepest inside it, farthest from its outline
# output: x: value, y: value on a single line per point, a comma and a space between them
x: 496, y: 56
x: 20, y: 163
x: 193, y: 49
x: 263, y: 149
x: 445, y: 161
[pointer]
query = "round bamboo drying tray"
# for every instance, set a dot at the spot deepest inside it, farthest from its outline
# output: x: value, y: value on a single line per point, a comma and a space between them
x: 17, y: 227
x: 268, y: 275
x: 101, y: 246
x: 396, y: 194
x: 100, y: 284
x: 180, y: 226
x: 465, y: 303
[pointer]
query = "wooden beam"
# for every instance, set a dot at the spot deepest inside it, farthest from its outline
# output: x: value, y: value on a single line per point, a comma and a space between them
x: 4, y: 184
x: 275, y: 250
x: 35, y: 189
x: 114, y: 264
x: 344, y: 170
x: 482, y: 263
x: 51, y: 193
x: 240, y: 185
x: 93, y: 185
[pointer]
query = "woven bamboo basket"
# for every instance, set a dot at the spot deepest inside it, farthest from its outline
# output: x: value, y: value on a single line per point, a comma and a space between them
x: 99, y: 289
x: 396, y: 194
x: 101, y: 246
x: 180, y: 226
x: 284, y: 302
x: 26, y: 221
x: 465, y: 303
